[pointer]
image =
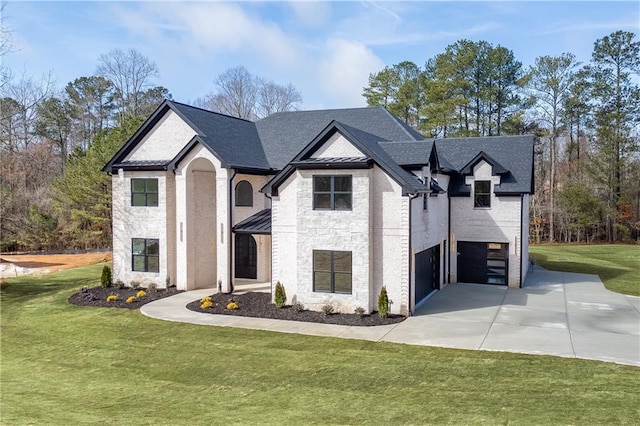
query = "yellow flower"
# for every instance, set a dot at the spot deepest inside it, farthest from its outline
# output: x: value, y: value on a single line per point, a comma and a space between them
x: 232, y: 306
x: 206, y: 304
x: 131, y: 299
x: 141, y: 293
x: 205, y: 299
x: 112, y: 298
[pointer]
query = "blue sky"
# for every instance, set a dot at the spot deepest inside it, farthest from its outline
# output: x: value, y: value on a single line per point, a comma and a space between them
x: 326, y: 49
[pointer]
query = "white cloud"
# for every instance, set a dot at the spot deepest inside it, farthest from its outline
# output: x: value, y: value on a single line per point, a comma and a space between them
x: 312, y: 14
x: 345, y: 69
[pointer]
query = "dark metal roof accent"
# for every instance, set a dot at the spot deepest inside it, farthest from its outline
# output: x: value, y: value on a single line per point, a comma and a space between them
x: 334, y: 163
x: 142, y: 165
x: 259, y: 223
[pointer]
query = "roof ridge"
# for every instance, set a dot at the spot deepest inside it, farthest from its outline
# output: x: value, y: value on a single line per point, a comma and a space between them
x: 397, y: 121
x: 208, y: 111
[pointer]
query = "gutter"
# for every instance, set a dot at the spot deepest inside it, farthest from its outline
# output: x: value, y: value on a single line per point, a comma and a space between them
x: 410, y: 257
x: 271, y: 248
x: 229, y: 238
x: 450, y: 240
x: 521, y: 240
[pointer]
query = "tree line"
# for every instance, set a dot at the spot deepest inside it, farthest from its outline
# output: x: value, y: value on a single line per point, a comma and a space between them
x: 54, y: 143
x: 585, y: 119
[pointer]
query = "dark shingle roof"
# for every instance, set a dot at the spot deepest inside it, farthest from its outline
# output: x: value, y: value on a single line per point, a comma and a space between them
x: 234, y: 140
x: 285, y: 134
x: 513, y: 153
x: 409, y: 153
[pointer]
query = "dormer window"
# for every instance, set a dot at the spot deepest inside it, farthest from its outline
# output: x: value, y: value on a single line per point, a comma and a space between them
x: 482, y: 194
x: 244, y: 194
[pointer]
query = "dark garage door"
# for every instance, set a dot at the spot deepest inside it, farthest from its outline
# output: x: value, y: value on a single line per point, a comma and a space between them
x: 483, y: 263
x: 427, y: 272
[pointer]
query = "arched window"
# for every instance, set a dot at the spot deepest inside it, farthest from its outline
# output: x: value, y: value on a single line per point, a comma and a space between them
x: 244, y: 194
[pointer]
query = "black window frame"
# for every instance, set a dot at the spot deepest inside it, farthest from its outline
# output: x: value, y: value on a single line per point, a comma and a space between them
x: 147, y: 242
x: 332, y: 193
x: 148, y: 195
x: 239, y: 198
x: 481, y: 200
x: 332, y: 271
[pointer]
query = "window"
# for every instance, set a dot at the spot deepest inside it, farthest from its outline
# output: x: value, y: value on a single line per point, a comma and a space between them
x: 332, y: 192
x: 145, y: 255
x: 332, y: 271
x: 482, y: 193
x: 144, y: 192
x: 244, y: 194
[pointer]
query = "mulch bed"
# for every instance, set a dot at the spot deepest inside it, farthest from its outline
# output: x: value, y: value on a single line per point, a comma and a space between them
x: 259, y: 305
x: 97, y: 296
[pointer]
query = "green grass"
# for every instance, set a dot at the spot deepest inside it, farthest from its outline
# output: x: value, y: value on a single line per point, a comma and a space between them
x: 63, y: 364
x: 617, y: 265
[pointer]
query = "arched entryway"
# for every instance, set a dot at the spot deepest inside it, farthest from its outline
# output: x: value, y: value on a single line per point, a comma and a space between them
x: 246, y: 256
x: 201, y: 224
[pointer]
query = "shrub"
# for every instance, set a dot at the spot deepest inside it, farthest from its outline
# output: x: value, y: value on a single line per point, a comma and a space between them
x: 206, y: 299
x: 206, y: 304
x: 112, y: 298
x: 327, y: 309
x: 135, y: 284
x: 383, y: 303
x: 105, y: 279
x: 167, y: 282
x: 119, y: 284
x: 130, y: 299
x: 298, y: 307
x: 153, y: 288
x: 232, y: 306
x: 359, y: 310
x: 281, y: 295
x: 141, y: 293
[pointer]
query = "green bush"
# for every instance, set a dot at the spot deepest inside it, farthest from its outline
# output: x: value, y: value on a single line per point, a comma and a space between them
x: 105, y: 279
x: 281, y: 296
x: 327, y: 309
x: 383, y: 303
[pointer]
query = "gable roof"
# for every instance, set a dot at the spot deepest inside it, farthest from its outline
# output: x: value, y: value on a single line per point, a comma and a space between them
x: 285, y: 134
x: 234, y: 141
x: 511, y: 155
x: 366, y: 142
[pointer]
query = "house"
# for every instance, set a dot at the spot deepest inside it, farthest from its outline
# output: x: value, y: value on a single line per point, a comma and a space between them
x: 333, y: 204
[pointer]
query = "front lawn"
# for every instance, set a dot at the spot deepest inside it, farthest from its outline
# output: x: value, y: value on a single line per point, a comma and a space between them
x: 64, y: 364
x: 617, y: 265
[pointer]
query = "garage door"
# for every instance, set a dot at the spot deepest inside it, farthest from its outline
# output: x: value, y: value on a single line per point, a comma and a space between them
x: 427, y: 264
x: 483, y: 263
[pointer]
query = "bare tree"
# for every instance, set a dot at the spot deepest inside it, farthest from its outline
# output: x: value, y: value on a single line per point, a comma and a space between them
x: 131, y: 73
x: 240, y: 94
x: 274, y: 98
x: 6, y: 43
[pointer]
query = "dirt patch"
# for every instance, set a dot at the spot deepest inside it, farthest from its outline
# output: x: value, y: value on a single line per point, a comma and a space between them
x: 259, y: 305
x: 24, y: 264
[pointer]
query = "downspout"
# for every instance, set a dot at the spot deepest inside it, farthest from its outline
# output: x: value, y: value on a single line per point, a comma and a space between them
x: 521, y: 240
x: 271, y: 248
x: 410, y: 257
x: 229, y: 238
x: 450, y: 248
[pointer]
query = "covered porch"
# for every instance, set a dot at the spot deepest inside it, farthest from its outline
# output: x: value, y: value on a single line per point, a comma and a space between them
x: 252, y: 253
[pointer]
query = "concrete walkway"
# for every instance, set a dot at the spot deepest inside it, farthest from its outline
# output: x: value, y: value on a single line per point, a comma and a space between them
x: 556, y: 313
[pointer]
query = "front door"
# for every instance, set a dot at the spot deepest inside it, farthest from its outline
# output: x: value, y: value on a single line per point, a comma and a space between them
x: 246, y: 256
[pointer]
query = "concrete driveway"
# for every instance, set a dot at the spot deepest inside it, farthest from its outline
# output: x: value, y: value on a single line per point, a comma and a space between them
x: 556, y: 313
